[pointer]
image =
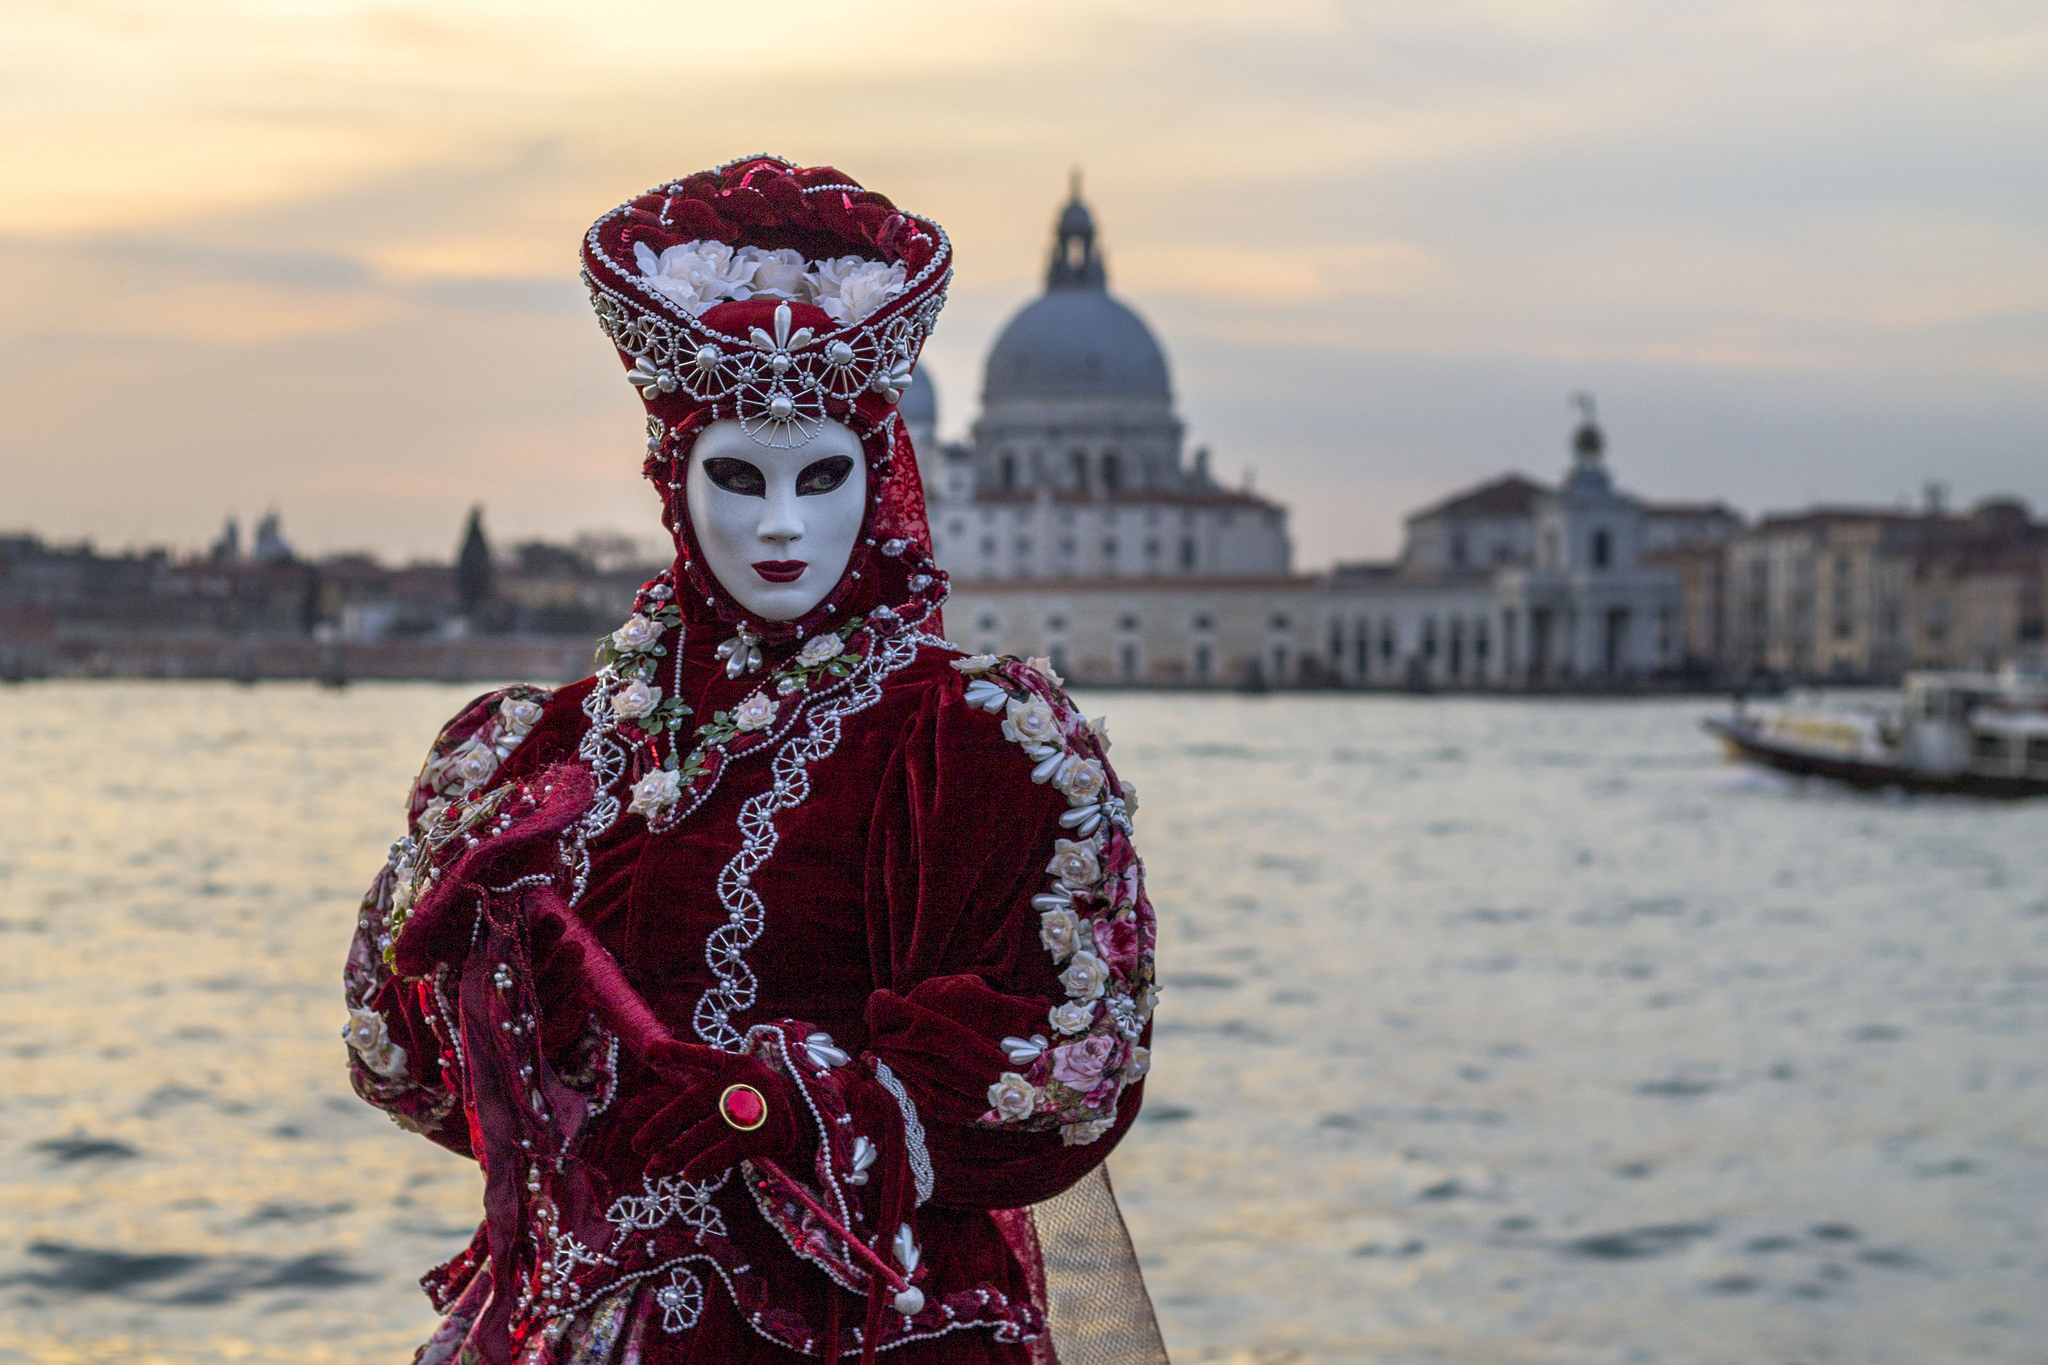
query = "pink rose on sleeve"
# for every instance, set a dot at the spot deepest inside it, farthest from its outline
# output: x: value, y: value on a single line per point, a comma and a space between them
x: 1079, y: 1065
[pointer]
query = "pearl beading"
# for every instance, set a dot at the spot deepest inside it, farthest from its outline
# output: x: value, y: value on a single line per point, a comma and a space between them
x: 913, y: 1133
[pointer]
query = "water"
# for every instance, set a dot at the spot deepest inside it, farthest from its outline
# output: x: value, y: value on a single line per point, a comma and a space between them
x: 1494, y: 1032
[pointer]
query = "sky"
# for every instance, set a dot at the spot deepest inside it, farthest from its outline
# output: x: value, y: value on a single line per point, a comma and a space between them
x: 319, y: 256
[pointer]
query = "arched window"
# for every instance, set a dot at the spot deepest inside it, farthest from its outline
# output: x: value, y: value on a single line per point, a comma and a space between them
x: 1009, y: 472
x: 1079, y: 461
x: 1112, y: 473
x: 1603, y: 548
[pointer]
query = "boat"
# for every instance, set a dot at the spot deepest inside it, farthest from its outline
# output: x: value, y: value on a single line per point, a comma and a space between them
x: 1972, y: 734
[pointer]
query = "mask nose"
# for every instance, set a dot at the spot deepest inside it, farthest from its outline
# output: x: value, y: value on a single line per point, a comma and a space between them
x: 782, y: 522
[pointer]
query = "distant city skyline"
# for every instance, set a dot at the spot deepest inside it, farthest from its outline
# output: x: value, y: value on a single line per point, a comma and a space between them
x: 320, y: 260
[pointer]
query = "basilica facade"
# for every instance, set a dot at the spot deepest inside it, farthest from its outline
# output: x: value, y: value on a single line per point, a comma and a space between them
x: 1075, y: 527
x: 1073, y: 522
x: 1514, y: 584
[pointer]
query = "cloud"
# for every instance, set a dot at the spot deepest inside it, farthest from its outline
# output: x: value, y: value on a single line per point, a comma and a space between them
x: 1279, y: 274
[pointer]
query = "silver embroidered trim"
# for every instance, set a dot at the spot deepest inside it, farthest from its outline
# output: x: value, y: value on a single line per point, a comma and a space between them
x: 681, y: 1300
x: 726, y: 947
x: 607, y: 760
x: 777, y: 385
x: 913, y: 1132
x: 671, y: 1199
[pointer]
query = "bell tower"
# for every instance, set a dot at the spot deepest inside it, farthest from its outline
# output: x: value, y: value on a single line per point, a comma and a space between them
x: 1076, y: 264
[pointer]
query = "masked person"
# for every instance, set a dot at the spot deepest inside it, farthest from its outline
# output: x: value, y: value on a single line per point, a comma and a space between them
x: 772, y: 973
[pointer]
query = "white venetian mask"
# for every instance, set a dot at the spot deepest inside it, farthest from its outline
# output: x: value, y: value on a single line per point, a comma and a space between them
x: 777, y: 527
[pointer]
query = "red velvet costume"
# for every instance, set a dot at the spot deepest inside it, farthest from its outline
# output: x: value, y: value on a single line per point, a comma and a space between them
x: 892, y: 887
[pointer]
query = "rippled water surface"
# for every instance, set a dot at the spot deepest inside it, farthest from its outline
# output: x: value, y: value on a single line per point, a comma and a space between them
x: 1494, y: 1032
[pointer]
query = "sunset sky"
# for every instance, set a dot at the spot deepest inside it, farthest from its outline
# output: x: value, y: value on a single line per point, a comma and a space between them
x: 319, y: 255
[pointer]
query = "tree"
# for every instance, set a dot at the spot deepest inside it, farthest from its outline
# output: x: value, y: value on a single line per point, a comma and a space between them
x: 473, y: 566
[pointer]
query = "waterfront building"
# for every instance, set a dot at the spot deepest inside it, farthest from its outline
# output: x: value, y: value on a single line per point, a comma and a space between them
x: 1072, y: 522
x: 1075, y: 527
x: 1075, y: 468
x: 1512, y: 584
x: 1863, y: 594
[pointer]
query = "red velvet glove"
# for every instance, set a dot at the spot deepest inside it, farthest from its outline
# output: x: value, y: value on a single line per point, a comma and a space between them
x: 688, y: 1124
x: 558, y: 984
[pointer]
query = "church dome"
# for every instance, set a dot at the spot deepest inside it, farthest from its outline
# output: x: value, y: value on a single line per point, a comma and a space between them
x: 1075, y: 341
x: 920, y: 402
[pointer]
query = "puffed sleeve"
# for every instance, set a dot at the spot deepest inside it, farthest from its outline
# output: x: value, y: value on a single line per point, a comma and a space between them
x: 1011, y: 938
x: 402, y: 1036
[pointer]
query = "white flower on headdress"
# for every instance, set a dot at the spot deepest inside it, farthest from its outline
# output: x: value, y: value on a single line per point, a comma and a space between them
x: 637, y: 633
x: 1042, y: 666
x: 777, y: 274
x: 636, y: 698
x: 369, y: 1037
x: 1012, y: 1097
x: 696, y: 275
x: 977, y: 663
x: 849, y: 288
x: 820, y: 648
x: 1140, y: 1063
x: 656, y: 792
x: 755, y: 713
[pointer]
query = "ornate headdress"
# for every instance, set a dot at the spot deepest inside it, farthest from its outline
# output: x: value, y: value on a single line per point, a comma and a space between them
x: 777, y: 296
x: 769, y: 293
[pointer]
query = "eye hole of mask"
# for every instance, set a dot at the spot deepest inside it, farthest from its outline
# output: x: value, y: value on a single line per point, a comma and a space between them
x: 737, y: 476
x: 823, y: 476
